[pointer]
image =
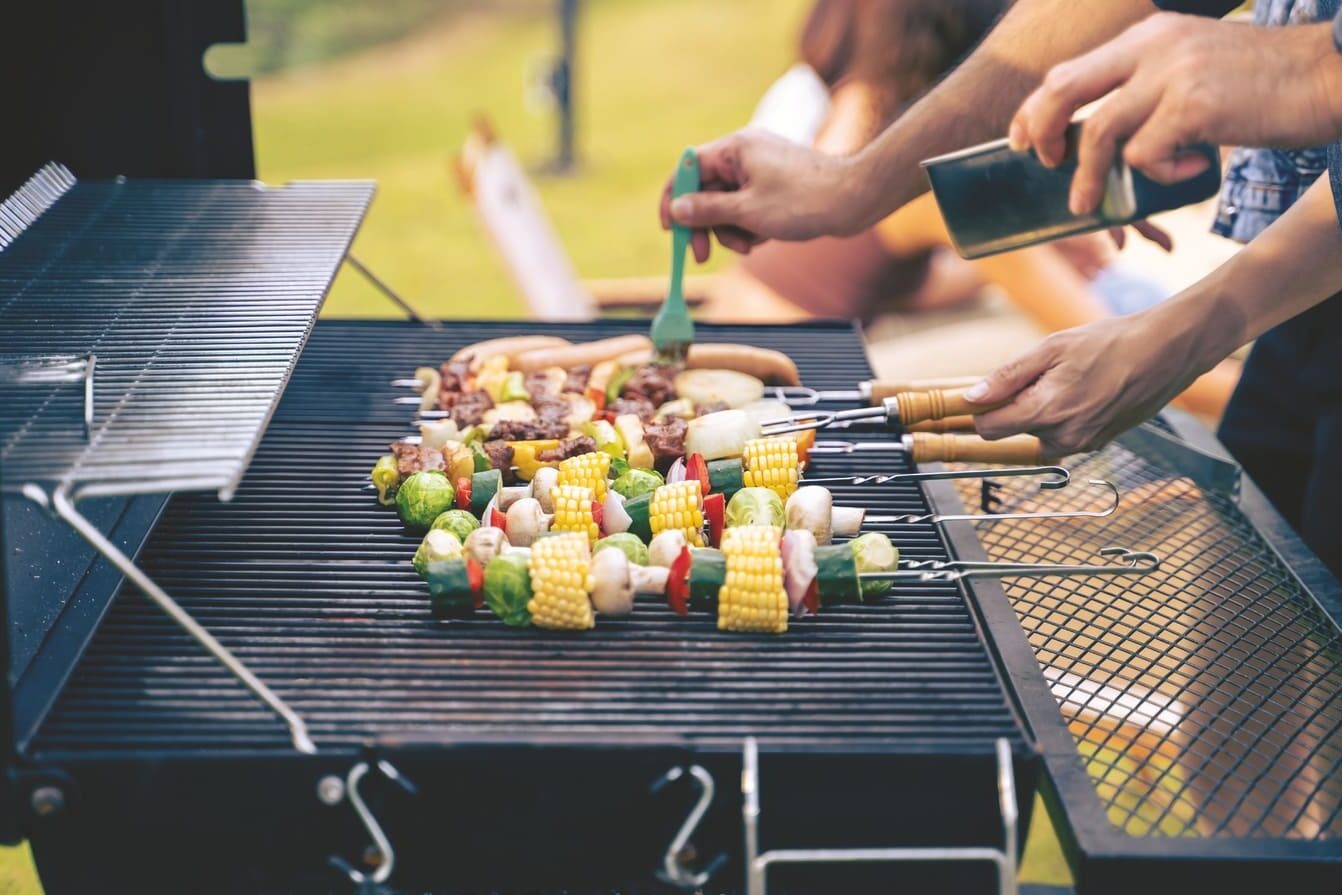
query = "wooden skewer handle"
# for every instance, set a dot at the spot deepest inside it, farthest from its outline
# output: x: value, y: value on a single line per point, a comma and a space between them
x: 888, y: 388
x: 936, y: 404
x: 948, y: 424
x: 1019, y: 449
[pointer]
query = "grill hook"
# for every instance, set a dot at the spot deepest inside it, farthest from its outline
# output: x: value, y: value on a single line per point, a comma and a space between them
x: 674, y: 870
x: 380, y: 840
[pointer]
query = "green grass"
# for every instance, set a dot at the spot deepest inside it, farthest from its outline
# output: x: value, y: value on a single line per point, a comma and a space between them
x: 652, y: 77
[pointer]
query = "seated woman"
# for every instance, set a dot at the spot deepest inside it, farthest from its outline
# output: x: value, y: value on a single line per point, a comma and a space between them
x: 863, y: 62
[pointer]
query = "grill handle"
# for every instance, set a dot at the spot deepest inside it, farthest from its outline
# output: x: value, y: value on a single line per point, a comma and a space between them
x: 930, y: 447
x: 934, y: 404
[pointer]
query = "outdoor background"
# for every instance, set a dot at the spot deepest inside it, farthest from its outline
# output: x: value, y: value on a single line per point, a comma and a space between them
x: 387, y: 90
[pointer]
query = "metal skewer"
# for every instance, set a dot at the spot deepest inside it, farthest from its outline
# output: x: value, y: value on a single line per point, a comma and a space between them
x: 1135, y: 563
x: 938, y: 518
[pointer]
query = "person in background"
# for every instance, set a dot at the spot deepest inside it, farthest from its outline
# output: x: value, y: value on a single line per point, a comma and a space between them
x: 1175, y: 79
x: 863, y: 63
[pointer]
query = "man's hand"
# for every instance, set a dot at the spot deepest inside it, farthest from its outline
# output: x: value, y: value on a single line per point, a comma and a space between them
x: 1177, y: 80
x: 1081, y: 387
x: 756, y: 186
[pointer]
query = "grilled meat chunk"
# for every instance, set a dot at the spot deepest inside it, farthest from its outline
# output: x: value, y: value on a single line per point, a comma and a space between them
x: 667, y: 440
x: 516, y: 430
x: 500, y: 454
x: 468, y: 408
x: 551, y: 410
x: 639, y: 407
x: 577, y: 378
x: 652, y: 382
x: 570, y: 447
x: 413, y: 458
x: 454, y: 378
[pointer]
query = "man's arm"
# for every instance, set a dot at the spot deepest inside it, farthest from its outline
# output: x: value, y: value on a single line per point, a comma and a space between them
x: 757, y: 187
x: 1078, y: 389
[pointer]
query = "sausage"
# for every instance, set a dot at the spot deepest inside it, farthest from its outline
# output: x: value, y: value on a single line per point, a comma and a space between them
x: 509, y: 345
x: 773, y: 367
x: 567, y: 356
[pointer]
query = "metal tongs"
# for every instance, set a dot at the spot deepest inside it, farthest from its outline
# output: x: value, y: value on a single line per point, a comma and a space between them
x: 1132, y: 563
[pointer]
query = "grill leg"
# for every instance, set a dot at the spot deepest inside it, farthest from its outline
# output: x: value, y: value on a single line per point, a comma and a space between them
x: 757, y: 865
x: 64, y: 508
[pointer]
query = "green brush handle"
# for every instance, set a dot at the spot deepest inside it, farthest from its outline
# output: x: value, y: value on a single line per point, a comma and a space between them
x: 686, y: 181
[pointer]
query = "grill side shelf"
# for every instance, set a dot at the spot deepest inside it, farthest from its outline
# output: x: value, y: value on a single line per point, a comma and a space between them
x: 196, y: 297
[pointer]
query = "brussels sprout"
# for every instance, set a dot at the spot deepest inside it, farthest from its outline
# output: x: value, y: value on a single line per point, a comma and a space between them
x: 437, y: 545
x: 459, y: 522
x: 755, y: 506
x: 873, y: 552
x: 387, y: 477
x: 628, y: 544
x: 637, y: 481
x: 508, y: 588
x: 422, y: 497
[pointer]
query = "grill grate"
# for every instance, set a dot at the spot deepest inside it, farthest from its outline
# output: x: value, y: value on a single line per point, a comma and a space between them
x: 1205, y: 699
x: 195, y: 297
x: 307, y: 580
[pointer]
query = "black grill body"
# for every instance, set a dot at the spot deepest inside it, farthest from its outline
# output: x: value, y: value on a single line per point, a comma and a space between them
x: 533, y: 752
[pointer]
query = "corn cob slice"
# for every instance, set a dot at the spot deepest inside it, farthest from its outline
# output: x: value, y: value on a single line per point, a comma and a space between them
x: 771, y: 463
x: 561, y: 580
x: 573, y: 512
x: 586, y: 471
x: 752, y: 596
x: 678, y: 507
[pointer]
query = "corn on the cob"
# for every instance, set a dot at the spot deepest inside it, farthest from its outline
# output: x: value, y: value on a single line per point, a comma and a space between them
x: 679, y: 506
x: 573, y: 512
x: 752, y: 596
x: 561, y: 580
x: 771, y: 463
x: 586, y: 471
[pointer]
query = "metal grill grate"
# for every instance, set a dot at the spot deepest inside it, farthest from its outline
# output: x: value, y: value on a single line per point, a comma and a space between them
x: 306, y: 579
x: 195, y: 297
x: 1205, y: 699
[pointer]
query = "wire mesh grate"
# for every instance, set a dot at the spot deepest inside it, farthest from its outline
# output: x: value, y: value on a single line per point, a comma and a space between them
x: 1205, y: 699
x: 196, y: 298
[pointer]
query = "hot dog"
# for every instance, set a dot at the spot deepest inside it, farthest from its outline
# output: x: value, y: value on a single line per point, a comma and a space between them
x: 512, y: 346
x: 773, y: 367
x: 568, y: 356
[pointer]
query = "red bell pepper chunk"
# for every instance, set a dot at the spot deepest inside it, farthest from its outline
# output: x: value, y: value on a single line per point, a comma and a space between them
x: 678, y: 583
x: 811, y: 600
x: 715, y: 511
x: 464, y: 492
x: 697, y: 468
x: 475, y: 576
x: 598, y: 514
x: 497, y: 519
x: 597, y: 397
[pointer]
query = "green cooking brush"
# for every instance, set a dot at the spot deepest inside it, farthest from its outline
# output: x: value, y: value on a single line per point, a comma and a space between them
x: 672, y: 329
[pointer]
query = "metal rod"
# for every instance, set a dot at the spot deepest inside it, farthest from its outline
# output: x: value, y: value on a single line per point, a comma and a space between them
x: 674, y: 870
x: 391, y: 293
x: 1058, y: 477
x: 938, y: 518
x: 60, y: 502
x: 90, y: 363
x: 757, y: 865
x: 1138, y: 563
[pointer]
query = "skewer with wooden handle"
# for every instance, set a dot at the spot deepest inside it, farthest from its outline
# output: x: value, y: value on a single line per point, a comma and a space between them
x: 900, y: 411
x: 872, y: 391
x: 931, y: 447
